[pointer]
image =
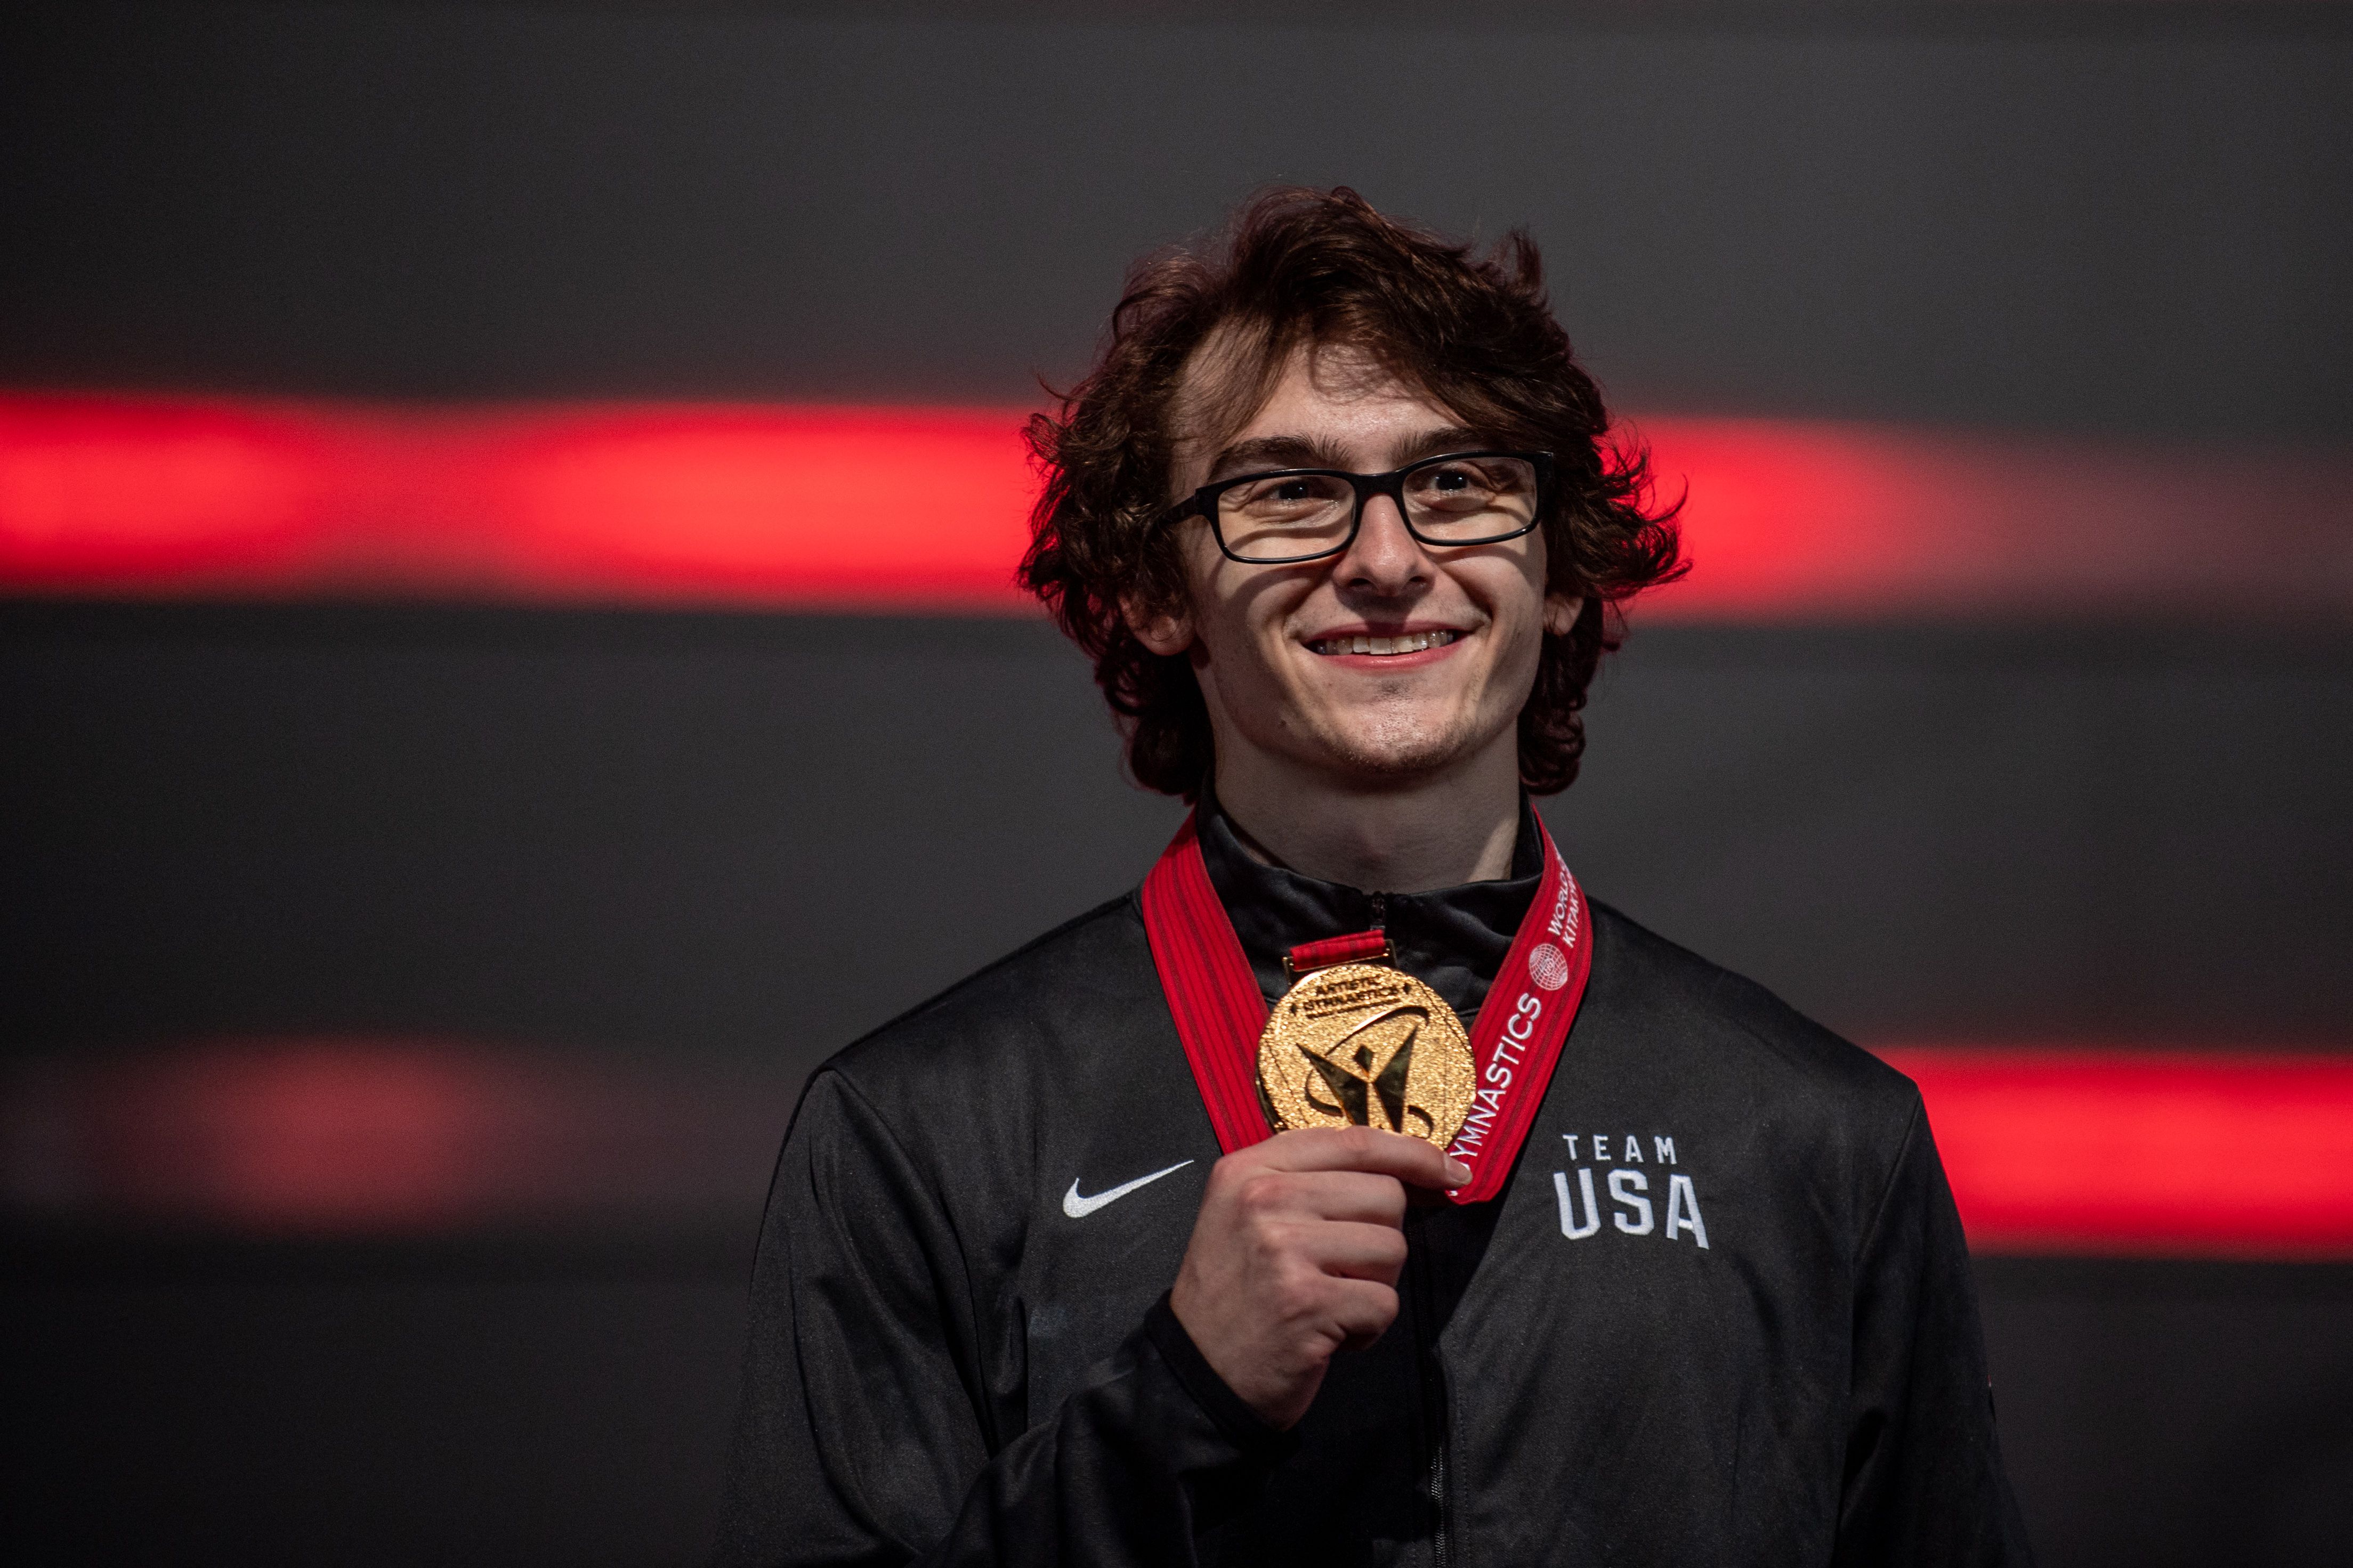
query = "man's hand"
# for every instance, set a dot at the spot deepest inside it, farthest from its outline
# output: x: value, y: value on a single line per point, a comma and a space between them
x: 1295, y: 1255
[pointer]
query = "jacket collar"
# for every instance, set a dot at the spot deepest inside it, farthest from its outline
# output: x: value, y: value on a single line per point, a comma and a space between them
x: 1452, y: 938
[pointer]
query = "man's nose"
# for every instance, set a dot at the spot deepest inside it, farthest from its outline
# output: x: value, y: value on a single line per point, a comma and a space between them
x: 1384, y: 556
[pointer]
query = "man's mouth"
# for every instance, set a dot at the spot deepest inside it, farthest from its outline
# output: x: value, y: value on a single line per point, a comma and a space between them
x: 1408, y: 642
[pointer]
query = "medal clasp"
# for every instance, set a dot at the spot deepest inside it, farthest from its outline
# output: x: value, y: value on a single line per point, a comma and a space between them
x: 1356, y: 947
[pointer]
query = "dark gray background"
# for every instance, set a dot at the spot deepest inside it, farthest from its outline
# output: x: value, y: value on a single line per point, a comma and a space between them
x: 690, y: 843
x: 758, y: 836
x: 2136, y: 216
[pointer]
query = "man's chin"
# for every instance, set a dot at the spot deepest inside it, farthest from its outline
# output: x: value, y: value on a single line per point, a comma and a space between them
x: 1395, y: 753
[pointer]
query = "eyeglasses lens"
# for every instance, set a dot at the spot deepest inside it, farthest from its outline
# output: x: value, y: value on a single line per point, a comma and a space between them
x: 1282, y: 516
x: 1466, y: 500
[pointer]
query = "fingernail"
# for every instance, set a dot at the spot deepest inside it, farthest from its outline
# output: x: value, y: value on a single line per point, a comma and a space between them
x: 1457, y: 1171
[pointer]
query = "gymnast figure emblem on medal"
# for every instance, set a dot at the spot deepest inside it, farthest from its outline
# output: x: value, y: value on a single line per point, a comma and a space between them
x: 1369, y: 1045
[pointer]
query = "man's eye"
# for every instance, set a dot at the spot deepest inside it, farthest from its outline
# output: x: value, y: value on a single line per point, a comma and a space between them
x: 1452, y: 483
x: 1290, y: 495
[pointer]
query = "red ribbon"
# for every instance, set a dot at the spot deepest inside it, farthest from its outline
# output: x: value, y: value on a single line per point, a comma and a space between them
x: 1356, y: 947
x: 1219, y: 1013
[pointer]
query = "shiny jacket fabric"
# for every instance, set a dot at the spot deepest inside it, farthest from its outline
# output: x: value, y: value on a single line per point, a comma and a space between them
x: 1721, y: 1314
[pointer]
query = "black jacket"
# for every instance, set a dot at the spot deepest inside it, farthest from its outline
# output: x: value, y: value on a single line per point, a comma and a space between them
x: 1722, y: 1314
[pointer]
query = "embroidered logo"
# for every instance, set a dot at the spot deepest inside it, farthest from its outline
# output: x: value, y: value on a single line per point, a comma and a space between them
x: 1078, y: 1207
x: 1630, y: 1191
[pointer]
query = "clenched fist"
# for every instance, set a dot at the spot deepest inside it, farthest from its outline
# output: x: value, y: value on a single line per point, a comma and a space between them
x: 1295, y: 1255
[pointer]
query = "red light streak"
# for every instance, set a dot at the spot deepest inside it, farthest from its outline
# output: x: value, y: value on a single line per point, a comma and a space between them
x: 2053, y: 1151
x: 93, y: 492
x: 922, y: 510
x: 1790, y: 519
x: 817, y: 505
x: 339, y: 1136
x: 293, y: 1136
x: 2143, y: 1152
x: 779, y: 507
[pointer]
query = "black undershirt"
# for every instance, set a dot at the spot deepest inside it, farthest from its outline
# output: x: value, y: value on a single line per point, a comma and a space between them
x: 1455, y: 940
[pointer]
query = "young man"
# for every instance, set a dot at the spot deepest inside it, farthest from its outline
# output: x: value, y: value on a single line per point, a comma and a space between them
x: 1632, y: 1265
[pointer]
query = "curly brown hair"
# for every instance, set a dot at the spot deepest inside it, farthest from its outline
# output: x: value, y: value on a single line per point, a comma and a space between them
x: 1472, y: 333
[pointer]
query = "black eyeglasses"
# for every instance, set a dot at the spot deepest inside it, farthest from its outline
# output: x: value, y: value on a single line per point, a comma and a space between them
x: 1288, y: 515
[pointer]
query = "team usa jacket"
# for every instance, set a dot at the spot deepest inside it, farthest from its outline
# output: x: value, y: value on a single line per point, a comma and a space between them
x: 1722, y: 1312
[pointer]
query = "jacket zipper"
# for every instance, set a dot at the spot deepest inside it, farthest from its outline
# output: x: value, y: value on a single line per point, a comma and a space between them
x: 1441, y: 1547
x: 1433, y: 1403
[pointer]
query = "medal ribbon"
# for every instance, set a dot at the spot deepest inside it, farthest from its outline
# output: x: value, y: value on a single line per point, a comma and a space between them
x: 1219, y: 1013
x: 1356, y: 947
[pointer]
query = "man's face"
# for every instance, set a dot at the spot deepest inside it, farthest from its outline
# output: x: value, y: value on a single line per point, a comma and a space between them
x: 1276, y: 648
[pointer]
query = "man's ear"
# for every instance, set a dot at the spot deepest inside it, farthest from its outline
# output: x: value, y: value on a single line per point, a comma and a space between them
x: 1560, y: 613
x: 1165, y: 632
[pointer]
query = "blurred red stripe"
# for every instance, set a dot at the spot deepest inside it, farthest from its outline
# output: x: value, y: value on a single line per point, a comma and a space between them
x: 2153, y: 1153
x: 340, y: 1135
x: 2116, y: 1153
x: 1790, y: 519
x: 917, y: 510
x: 894, y: 508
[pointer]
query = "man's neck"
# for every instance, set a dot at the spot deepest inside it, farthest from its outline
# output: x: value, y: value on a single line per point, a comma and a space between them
x: 1403, y: 837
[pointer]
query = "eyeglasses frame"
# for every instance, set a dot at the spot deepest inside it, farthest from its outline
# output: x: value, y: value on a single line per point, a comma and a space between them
x: 1202, y: 503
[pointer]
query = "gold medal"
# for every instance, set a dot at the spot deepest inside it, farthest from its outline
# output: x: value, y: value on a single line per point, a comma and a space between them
x: 1367, y: 1046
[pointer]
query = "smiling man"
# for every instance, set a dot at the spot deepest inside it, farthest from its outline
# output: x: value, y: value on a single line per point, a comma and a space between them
x: 1356, y: 1191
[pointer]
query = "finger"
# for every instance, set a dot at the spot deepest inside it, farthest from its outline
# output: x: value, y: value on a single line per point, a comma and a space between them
x: 1353, y: 1251
x: 1357, y: 1196
x: 1362, y: 1310
x: 1307, y: 1196
x: 1364, y: 1149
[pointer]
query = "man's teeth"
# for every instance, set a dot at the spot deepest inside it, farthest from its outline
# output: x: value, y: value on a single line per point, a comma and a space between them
x: 1413, y: 642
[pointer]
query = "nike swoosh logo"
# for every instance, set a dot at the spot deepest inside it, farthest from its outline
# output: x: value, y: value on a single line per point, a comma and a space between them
x: 1078, y: 1207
